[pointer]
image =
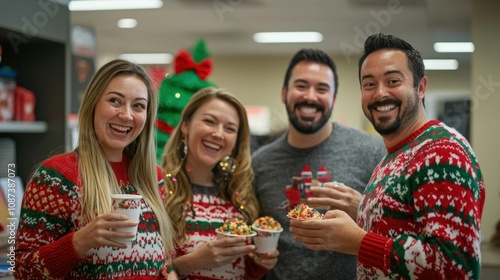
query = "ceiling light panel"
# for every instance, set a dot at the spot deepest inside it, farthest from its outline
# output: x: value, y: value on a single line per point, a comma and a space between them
x: 288, y: 37
x: 148, y: 58
x: 127, y: 23
x: 94, y: 5
x: 441, y: 64
x: 454, y: 47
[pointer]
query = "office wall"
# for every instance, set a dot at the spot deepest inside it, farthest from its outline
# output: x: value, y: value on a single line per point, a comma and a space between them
x: 258, y: 80
x: 485, y: 80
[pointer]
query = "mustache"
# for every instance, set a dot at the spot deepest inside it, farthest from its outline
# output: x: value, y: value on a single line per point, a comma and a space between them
x: 318, y: 106
x: 385, y: 102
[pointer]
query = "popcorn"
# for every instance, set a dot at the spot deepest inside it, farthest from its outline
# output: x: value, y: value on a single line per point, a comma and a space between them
x: 304, y: 212
x: 236, y: 226
x: 267, y: 223
x: 268, y: 233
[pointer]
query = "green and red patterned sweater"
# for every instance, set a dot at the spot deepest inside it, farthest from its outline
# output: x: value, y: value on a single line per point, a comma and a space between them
x: 51, y: 214
x: 422, y: 209
x: 207, y: 212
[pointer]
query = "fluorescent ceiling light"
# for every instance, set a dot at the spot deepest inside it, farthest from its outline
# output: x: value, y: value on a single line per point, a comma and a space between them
x: 148, y: 58
x: 95, y: 5
x: 288, y: 37
x: 127, y: 23
x: 441, y: 64
x: 454, y: 47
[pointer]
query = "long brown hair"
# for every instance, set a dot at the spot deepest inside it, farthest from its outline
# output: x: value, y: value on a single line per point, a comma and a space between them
x: 179, y: 190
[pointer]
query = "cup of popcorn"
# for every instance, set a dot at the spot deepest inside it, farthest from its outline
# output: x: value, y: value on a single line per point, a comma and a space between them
x: 268, y: 233
x: 130, y: 205
x: 235, y: 227
x: 304, y: 212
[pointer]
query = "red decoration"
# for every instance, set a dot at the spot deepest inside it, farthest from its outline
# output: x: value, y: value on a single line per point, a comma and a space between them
x: 165, y: 127
x: 184, y: 62
x: 24, y: 105
x: 157, y: 74
x: 323, y: 175
x: 293, y: 192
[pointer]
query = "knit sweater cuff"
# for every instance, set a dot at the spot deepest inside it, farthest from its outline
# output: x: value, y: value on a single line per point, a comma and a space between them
x: 61, y: 256
x: 375, y: 251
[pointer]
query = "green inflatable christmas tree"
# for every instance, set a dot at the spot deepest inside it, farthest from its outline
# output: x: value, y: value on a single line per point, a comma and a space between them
x: 190, y: 74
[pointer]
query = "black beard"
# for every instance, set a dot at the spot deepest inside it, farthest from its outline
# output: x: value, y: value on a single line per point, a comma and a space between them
x: 393, y: 128
x: 309, y: 127
x: 404, y: 118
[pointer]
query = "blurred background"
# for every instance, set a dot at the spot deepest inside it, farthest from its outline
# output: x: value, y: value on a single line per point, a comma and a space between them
x: 54, y: 47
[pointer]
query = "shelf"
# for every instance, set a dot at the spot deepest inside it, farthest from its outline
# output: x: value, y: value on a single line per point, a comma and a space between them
x: 23, y: 127
x: 35, y: 42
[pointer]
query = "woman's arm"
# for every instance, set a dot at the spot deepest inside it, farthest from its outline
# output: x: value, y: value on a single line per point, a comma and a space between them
x: 44, y: 244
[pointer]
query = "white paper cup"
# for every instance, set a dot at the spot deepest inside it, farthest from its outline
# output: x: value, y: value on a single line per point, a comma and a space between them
x: 130, y: 205
x: 266, y: 240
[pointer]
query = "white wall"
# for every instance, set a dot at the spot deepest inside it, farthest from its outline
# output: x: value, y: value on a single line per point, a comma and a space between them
x: 258, y: 80
x: 486, y: 101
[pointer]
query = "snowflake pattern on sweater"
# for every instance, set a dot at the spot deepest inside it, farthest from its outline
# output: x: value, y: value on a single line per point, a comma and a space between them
x: 50, y: 215
x: 209, y: 211
x: 422, y: 210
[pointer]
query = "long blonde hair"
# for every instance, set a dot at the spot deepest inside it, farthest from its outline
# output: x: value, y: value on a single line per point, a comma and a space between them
x: 96, y: 175
x: 179, y: 190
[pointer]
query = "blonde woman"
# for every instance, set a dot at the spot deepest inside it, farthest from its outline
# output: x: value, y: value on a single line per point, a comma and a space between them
x: 203, y: 193
x: 66, y: 225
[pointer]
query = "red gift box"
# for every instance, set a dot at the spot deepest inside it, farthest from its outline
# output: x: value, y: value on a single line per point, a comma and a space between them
x: 24, y: 105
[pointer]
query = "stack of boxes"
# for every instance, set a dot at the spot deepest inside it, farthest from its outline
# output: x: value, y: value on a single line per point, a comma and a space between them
x: 16, y: 103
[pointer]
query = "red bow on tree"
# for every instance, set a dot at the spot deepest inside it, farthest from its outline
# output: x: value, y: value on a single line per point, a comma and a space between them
x: 184, y: 61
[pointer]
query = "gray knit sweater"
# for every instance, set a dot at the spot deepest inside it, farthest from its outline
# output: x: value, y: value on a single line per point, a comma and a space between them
x: 349, y: 156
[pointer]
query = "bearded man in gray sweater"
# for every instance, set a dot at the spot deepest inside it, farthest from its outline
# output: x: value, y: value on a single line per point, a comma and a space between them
x: 317, y: 162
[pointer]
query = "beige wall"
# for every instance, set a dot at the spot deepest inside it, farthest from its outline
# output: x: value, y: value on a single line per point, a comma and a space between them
x: 258, y: 80
x: 485, y: 111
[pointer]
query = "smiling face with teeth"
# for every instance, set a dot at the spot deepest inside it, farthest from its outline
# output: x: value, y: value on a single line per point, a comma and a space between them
x: 120, y: 114
x: 389, y: 99
x: 309, y: 96
x: 211, y: 133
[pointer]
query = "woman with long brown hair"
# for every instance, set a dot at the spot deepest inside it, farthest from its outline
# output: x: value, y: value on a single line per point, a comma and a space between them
x: 209, y: 179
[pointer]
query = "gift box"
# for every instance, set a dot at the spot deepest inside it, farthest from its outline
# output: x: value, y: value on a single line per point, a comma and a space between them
x: 24, y: 104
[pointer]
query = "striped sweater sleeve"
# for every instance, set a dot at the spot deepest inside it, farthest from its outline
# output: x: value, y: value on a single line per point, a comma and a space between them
x: 44, y: 244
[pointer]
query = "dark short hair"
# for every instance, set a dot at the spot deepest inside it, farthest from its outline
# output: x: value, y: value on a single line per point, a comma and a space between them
x: 380, y: 41
x: 312, y: 55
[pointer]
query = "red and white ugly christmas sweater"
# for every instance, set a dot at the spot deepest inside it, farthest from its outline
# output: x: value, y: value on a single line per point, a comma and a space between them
x: 422, y: 210
x: 207, y: 212
x: 51, y: 214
